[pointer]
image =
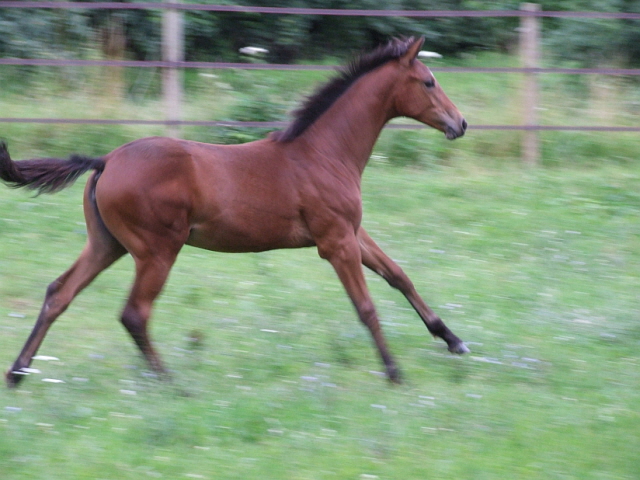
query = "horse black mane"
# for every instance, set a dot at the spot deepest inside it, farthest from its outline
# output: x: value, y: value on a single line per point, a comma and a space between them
x: 326, y: 95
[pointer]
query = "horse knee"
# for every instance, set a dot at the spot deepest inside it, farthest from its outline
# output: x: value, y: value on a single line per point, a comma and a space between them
x: 367, y: 313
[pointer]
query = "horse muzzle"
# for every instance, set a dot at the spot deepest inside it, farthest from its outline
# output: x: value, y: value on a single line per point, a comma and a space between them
x: 453, y: 132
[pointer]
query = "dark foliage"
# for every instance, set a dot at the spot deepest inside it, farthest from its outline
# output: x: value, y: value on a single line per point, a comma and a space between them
x: 210, y: 36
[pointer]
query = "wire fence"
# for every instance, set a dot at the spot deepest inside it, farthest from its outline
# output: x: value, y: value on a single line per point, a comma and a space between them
x: 172, y: 64
x: 52, y: 62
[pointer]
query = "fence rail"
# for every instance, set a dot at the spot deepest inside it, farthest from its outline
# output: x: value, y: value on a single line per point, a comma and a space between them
x: 232, y: 123
x: 529, y: 15
x: 52, y: 62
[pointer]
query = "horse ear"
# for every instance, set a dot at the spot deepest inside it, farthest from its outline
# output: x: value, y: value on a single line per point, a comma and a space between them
x: 412, y: 51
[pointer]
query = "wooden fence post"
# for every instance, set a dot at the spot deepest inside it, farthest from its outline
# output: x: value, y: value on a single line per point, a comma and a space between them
x: 172, y: 51
x: 530, y: 56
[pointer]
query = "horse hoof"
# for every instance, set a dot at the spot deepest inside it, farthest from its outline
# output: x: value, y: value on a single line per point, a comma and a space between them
x: 459, y: 348
x: 13, y: 379
x: 394, y: 376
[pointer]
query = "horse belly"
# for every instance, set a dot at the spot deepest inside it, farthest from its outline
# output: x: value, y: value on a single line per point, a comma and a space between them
x: 256, y: 235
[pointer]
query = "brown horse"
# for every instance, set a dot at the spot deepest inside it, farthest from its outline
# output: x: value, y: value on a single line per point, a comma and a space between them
x: 298, y: 188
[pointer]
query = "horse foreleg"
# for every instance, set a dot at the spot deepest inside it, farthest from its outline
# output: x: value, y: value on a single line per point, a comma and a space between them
x: 94, y: 259
x: 345, y: 258
x: 151, y: 275
x: 375, y: 259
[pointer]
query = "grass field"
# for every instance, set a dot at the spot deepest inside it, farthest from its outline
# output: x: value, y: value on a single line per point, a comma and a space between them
x: 538, y: 270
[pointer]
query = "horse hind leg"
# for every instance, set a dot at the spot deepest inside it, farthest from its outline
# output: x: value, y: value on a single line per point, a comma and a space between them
x: 151, y: 275
x: 96, y: 257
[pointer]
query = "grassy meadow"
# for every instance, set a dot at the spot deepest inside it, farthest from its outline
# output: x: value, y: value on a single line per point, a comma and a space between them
x: 537, y: 269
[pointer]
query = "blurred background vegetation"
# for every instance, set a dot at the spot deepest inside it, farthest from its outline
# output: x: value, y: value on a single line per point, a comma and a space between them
x: 291, y: 38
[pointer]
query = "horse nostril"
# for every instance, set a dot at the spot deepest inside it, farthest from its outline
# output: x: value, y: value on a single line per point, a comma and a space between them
x: 464, y: 125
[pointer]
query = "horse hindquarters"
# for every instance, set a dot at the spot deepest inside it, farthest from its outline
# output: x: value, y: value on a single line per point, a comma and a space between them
x: 141, y: 201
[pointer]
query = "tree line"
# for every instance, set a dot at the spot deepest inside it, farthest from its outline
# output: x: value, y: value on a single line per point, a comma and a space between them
x: 214, y: 36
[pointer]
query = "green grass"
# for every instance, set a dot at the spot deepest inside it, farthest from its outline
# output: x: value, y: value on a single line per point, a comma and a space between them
x: 537, y: 270
x: 274, y: 377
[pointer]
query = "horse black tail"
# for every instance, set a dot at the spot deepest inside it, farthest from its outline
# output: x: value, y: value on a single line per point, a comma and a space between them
x: 46, y: 175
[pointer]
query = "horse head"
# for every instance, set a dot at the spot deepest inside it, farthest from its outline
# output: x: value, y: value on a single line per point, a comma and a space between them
x: 419, y: 96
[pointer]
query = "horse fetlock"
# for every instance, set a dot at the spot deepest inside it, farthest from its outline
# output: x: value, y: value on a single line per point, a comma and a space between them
x: 438, y: 329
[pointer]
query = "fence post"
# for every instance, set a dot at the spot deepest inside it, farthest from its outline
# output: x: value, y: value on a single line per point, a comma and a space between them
x: 172, y: 51
x: 530, y: 56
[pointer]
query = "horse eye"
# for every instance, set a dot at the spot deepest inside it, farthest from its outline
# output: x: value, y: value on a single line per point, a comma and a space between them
x: 430, y: 83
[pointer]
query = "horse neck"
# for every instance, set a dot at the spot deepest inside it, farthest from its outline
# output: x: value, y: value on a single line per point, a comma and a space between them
x: 347, y: 132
